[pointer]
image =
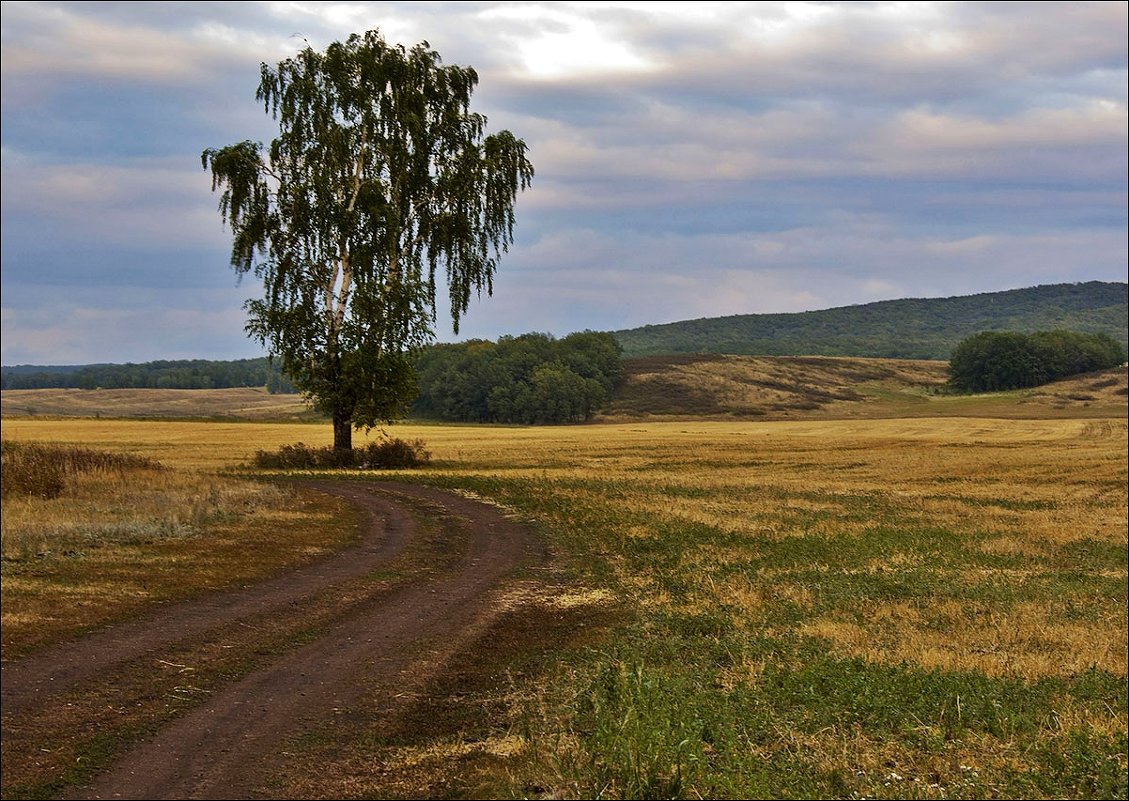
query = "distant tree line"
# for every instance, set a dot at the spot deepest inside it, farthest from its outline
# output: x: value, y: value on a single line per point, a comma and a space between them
x: 187, y: 374
x: 529, y: 379
x: 993, y: 361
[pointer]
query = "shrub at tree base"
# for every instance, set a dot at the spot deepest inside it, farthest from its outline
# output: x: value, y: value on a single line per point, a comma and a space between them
x: 387, y: 454
x: 994, y: 361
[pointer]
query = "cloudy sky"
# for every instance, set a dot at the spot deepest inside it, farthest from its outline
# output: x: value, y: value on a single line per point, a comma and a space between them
x: 693, y: 160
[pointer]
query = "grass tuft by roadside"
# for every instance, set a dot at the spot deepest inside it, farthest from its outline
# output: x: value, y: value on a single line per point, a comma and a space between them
x: 34, y: 469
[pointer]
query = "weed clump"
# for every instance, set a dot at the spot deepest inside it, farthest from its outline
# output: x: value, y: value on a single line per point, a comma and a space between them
x: 383, y: 455
x: 38, y: 470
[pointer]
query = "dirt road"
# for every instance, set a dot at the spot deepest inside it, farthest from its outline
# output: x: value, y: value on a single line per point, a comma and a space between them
x: 262, y: 666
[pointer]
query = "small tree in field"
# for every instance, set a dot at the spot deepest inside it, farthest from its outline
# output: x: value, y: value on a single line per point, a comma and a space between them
x: 380, y: 176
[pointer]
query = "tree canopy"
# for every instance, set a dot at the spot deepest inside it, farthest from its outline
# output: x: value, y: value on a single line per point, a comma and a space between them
x: 994, y: 361
x: 380, y: 178
x: 530, y: 379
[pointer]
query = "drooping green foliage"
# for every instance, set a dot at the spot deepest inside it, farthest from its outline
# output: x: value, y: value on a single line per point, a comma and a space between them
x: 913, y: 328
x: 1000, y: 360
x: 380, y: 177
x: 528, y: 379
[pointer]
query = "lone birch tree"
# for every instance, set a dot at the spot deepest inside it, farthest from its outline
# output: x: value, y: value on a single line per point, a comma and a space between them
x: 381, y: 176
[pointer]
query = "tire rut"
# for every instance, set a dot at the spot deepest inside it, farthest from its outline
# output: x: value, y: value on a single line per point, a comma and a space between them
x: 384, y: 647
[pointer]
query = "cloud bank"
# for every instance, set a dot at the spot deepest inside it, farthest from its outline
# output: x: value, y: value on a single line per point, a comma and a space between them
x: 692, y: 160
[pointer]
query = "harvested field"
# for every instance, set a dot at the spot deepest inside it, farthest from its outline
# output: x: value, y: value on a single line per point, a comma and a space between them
x: 240, y: 404
x: 929, y: 606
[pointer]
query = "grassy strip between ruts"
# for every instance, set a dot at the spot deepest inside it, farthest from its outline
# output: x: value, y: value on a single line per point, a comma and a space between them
x: 872, y: 608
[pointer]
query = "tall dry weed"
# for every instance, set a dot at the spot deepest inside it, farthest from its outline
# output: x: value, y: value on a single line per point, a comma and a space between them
x: 42, y: 470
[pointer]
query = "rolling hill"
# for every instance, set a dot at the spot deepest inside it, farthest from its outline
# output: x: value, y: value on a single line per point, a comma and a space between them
x: 919, y: 328
x: 681, y: 387
x: 874, y: 359
x: 711, y: 386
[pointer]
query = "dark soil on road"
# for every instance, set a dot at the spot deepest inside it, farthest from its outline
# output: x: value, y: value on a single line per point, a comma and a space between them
x: 255, y: 692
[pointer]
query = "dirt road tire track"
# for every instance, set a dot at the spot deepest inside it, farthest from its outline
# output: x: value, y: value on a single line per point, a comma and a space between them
x: 381, y: 648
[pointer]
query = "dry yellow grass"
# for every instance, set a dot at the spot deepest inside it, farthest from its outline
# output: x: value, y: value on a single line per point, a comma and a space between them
x: 243, y: 403
x: 1028, y: 639
x: 1012, y: 488
x: 181, y: 444
x: 114, y: 543
x: 804, y: 387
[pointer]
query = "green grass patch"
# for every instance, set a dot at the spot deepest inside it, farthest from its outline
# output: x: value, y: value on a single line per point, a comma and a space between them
x: 709, y: 692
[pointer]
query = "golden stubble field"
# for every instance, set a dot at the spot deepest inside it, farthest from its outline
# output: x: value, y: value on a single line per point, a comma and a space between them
x: 956, y: 585
x: 1009, y: 488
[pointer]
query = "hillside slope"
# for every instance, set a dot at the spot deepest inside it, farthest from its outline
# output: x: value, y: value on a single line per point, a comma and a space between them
x: 900, y: 329
x: 784, y: 387
x: 682, y: 387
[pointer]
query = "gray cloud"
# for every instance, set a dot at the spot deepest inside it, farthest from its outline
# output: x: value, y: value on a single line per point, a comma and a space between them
x: 73, y: 326
x: 692, y: 159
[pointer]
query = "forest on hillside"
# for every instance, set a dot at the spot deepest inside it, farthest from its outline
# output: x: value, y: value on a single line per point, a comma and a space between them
x: 899, y: 329
x: 181, y: 374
